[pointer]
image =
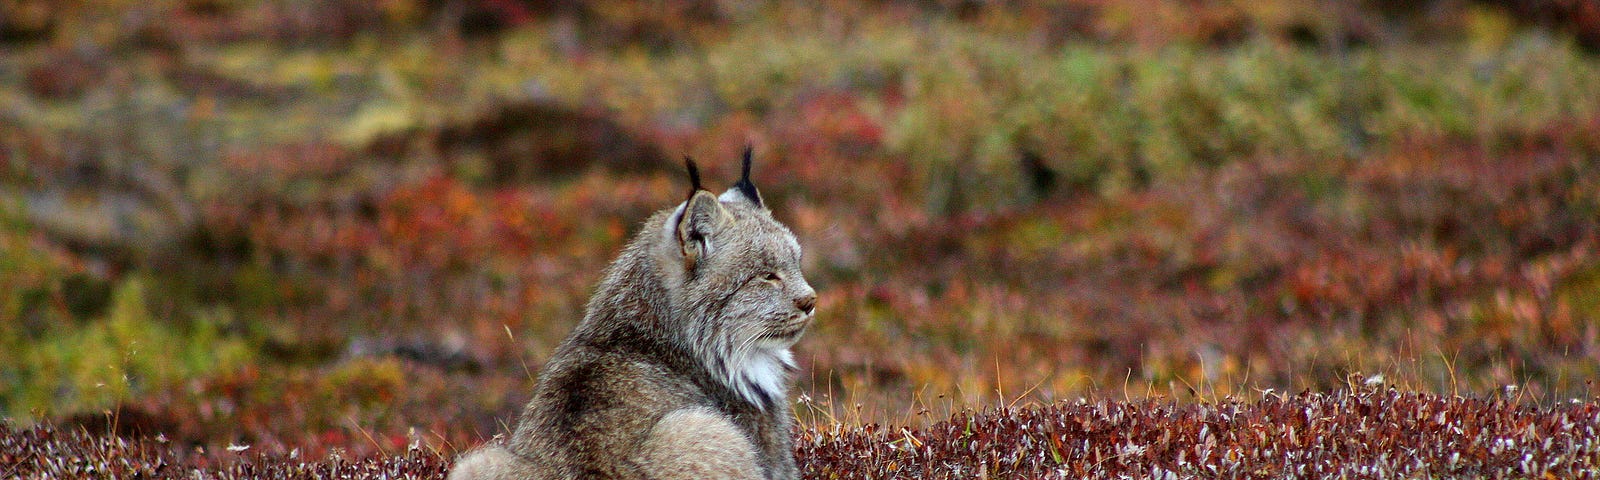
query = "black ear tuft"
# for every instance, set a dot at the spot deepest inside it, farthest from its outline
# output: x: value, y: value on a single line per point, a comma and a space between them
x: 744, y: 186
x: 694, y: 175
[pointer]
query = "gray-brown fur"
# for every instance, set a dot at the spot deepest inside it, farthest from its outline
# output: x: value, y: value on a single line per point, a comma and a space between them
x: 679, y: 367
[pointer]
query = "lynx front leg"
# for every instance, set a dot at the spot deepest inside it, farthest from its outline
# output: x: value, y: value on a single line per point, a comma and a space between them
x: 698, y: 443
x: 491, y: 462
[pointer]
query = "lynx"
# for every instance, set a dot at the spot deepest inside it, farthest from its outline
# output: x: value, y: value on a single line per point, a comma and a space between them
x: 680, y: 366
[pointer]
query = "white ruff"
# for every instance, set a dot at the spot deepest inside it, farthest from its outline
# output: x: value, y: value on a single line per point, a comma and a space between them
x: 760, y: 374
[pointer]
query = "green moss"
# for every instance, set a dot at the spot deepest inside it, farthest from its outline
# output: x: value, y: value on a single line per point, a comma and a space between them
x: 129, y: 350
x: 1582, y: 292
x: 1102, y: 115
x: 371, y: 383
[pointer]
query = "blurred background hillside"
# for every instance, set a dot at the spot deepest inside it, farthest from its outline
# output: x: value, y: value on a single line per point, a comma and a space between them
x: 356, y: 224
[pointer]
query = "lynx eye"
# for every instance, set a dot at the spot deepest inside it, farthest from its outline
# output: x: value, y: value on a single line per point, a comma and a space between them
x: 770, y: 276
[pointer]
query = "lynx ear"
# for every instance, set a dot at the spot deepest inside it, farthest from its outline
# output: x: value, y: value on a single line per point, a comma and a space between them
x: 701, y: 216
x: 694, y: 222
x: 744, y: 190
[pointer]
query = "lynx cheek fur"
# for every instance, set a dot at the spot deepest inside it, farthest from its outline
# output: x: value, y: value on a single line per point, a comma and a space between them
x: 680, y: 366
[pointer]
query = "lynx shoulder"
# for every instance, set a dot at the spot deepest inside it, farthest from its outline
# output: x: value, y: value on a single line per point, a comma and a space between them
x: 681, y: 364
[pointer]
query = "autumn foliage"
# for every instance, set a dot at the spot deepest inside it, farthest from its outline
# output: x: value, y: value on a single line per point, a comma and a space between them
x: 358, y: 228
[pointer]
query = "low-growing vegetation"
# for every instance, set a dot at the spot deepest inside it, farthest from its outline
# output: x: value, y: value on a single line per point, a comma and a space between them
x: 358, y: 228
x: 1370, y: 432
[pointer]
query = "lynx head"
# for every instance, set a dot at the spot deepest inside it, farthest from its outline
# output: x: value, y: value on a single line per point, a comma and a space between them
x: 733, y: 274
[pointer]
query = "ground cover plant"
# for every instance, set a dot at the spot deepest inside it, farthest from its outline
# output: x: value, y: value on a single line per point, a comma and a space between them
x: 357, y: 228
x: 1363, y: 433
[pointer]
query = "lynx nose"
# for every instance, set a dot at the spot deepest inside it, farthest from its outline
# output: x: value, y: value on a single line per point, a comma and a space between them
x: 807, y: 303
